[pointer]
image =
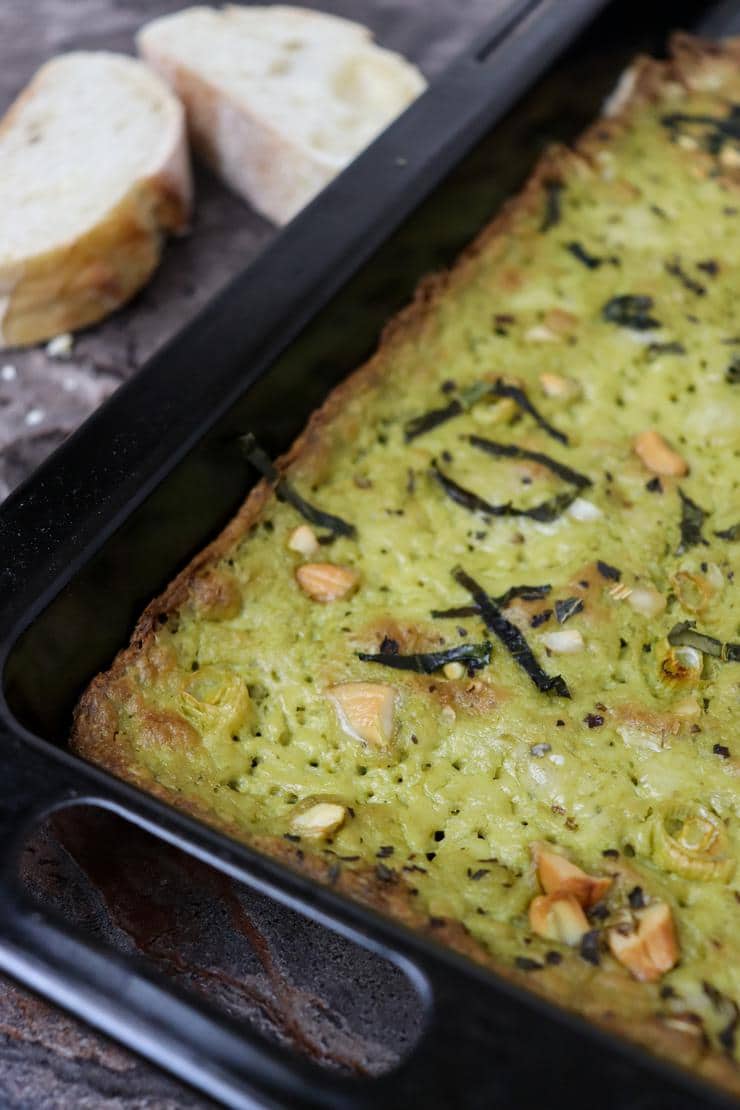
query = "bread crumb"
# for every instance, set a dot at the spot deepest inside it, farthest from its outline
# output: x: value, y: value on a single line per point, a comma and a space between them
x: 60, y: 346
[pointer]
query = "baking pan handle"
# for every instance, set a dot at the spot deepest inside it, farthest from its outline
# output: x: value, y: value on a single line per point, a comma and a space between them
x: 469, y: 1055
x: 469, y: 1052
x: 115, y: 992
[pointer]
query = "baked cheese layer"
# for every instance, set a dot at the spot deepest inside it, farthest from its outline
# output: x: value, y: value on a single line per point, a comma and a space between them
x: 561, y: 413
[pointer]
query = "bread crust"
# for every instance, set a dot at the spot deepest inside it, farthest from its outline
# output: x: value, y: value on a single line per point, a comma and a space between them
x: 254, y: 157
x: 79, y: 282
x: 95, y: 725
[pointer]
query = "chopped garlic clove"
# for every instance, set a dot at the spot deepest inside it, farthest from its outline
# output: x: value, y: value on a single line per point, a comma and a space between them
x: 540, y: 333
x: 558, y: 917
x: 319, y: 820
x: 695, y: 591
x: 502, y: 412
x: 365, y: 711
x: 555, y: 385
x: 582, y: 509
x: 692, y: 843
x: 559, y: 876
x: 646, y: 601
x: 730, y: 157
x: 303, y: 540
x: 682, y: 665
x: 60, y: 346
x: 658, y: 456
x: 326, y: 581
x: 650, y: 949
x: 715, y: 577
x: 567, y: 641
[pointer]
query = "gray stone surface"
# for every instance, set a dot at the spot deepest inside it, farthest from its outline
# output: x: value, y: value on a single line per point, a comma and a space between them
x: 49, y: 1061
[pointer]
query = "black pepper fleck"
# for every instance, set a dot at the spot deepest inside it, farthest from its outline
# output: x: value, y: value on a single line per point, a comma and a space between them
x: 608, y: 571
x: 589, y: 947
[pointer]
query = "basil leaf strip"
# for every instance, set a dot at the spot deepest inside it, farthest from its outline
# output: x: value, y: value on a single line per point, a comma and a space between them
x: 692, y: 522
x: 284, y: 491
x: 474, y: 656
x: 513, y: 451
x: 685, y: 634
x: 511, y: 637
x: 545, y: 512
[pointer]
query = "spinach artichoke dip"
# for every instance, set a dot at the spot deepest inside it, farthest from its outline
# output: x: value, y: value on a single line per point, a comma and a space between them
x: 471, y: 651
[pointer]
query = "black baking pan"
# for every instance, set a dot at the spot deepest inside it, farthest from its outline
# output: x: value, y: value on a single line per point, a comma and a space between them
x: 112, y: 516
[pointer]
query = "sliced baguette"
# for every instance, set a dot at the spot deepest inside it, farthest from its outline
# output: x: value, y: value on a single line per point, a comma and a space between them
x: 93, y: 169
x: 278, y: 99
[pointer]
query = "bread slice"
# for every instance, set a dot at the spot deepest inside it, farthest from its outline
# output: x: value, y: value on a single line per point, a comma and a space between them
x: 278, y: 99
x: 93, y: 169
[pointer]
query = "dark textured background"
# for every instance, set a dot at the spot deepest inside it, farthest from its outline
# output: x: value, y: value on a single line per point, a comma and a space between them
x: 321, y: 996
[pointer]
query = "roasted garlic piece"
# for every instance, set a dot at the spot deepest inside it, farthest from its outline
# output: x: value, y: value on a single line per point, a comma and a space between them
x: 692, y: 843
x: 216, y: 594
x: 658, y: 456
x: 303, y: 541
x: 365, y: 711
x: 555, y: 385
x: 682, y: 665
x: 559, y: 876
x: 327, y: 581
x: 215, y: 697
x: 319, y: 819
x: 558, y: 917
x: 696, y: 591
x: 646, y: 946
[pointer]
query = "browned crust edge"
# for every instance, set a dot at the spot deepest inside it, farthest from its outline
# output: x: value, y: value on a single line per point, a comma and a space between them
x: 94, y: 734
x: 78, y: 283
